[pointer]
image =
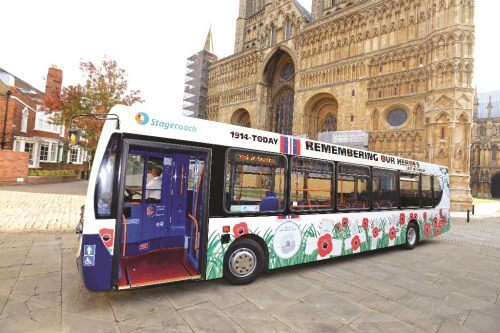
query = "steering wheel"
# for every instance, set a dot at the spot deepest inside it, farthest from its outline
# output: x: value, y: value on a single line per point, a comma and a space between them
x: 129, y: 194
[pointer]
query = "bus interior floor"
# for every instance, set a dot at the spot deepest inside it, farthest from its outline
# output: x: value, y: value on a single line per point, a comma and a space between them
x: 160, y: 266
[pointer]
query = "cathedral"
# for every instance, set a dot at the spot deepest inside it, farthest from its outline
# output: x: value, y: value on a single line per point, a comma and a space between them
x: 400, y: 70
x: 485, y: 156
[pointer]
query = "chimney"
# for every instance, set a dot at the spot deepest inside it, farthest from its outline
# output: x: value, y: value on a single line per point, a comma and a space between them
x: 54, y: 83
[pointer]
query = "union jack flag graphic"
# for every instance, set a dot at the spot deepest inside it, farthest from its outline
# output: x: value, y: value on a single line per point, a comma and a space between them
x: 289, y: 145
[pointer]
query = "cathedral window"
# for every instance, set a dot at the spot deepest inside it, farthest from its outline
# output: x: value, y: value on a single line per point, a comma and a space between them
x: 288, y: 30
x: 443, y: 133
x: 329, y: 124
x: 494, y: 155
x: 273, y: 35
x: 397, y: 117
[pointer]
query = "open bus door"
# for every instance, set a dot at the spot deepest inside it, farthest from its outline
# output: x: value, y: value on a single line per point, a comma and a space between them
x: 164, y: 214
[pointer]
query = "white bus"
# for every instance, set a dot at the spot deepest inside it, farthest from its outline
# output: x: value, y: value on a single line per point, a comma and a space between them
x: 188, y: 199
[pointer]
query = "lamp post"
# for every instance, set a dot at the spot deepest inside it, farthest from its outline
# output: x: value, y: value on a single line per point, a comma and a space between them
x: 5, y: 117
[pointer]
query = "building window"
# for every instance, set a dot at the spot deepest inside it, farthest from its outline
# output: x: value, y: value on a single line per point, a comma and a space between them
x: 43, y: 123
x: 288, y: 29
x: 28, y: 147
x: 494, y: 155
x: 24, y: 121
x: 397, y: 117
x: 53, y: 152
x: 443, y: 133
x: 76, y: 155
x: 273, y: 35
x: 44, y: 151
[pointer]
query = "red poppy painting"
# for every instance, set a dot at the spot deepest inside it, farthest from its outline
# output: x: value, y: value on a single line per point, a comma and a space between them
x: 392, y: 233
x: 345, y: 222
x: 402, y: 219
x: 365, y: 223
x: 375, y: 232
x: 424, y: 215
x: 427, y: 230
x: 240, y: 229
x: 325, y: 245
x: 355, y: 243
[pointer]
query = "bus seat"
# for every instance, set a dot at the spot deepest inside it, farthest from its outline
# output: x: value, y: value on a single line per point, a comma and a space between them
x: 269, y: 204
x: 385, y: 204
x: 343, y: 205
x: 359, y: 204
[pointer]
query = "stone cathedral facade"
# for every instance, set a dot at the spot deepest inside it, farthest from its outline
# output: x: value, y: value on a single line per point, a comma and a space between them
x: 400, y: 70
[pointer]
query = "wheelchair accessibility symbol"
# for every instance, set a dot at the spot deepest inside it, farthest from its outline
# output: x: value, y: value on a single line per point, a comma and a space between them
x: 89, y: 255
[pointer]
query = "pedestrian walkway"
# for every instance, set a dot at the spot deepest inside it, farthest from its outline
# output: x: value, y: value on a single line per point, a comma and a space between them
x: 34, y: 212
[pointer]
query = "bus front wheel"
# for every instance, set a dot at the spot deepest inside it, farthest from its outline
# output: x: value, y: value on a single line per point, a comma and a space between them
x: 411, y: 236
x: 244, y: 262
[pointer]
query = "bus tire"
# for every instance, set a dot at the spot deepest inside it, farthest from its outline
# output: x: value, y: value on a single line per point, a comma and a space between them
x: 243, y: 262
x: 411, y: 236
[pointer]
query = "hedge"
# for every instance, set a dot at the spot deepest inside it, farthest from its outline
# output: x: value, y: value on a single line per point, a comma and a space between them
x: 51, y: 173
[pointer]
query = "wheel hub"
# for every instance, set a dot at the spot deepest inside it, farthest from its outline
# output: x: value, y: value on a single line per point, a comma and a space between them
x: 412, y: 236
x: 242, y: 262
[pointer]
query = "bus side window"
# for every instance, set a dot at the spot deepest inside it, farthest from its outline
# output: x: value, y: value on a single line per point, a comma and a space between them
x: 104, y: 204
x: 384, y: 188
x: 438, y: 190
x: 255, y: 182
x: 409, y: 192
x: 311, y: 184
x: 427, y: 191
x: 352, y: 187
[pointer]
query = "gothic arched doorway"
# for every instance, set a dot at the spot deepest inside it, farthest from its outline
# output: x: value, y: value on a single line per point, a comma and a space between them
x: 320, y: 115
x: 241, y: 117
x: 280, y: 79
x: 495, y: 186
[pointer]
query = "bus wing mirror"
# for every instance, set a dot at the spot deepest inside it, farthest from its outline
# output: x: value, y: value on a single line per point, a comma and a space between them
x: 74, y: 136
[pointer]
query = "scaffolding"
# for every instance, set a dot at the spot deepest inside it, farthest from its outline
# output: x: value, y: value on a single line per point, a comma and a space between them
x: 196, y: 83
x: 355, y: 139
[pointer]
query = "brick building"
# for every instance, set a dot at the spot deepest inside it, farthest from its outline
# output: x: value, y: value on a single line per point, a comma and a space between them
x: 25, y: 127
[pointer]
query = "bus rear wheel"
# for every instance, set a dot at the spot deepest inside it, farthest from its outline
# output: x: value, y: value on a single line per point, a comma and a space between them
x: 411, y: 236
x: 244, y: 262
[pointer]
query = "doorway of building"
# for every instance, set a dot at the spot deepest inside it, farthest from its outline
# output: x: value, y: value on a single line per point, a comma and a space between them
x: 495, y: 186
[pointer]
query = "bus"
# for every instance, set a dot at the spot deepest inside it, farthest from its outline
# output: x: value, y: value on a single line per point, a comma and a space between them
x: 182, y: 199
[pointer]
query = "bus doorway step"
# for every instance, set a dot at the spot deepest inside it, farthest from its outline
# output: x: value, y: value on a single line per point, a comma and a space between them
x: 157, y: 267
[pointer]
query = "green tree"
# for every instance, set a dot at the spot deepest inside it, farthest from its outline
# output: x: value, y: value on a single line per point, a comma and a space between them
x: 105, y: 86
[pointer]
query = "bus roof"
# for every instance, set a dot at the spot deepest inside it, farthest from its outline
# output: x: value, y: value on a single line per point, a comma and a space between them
x: 137, y: 120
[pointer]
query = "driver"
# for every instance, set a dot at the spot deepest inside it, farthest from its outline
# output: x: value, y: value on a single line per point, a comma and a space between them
x: 153, y: 187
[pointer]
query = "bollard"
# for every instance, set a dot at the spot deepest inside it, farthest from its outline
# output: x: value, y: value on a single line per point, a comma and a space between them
x: 468, y: 217
x: 473, y: 209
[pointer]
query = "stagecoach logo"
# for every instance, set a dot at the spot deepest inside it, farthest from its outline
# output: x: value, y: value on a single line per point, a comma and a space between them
x: 142, y: 118
x: 287, y: 240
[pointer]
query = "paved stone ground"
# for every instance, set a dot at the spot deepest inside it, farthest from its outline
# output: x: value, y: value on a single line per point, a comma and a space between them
x: 450, y: 284
x: 54, y: 207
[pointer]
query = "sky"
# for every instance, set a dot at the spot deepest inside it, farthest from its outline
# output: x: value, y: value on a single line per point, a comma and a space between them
x: 152, y: 39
